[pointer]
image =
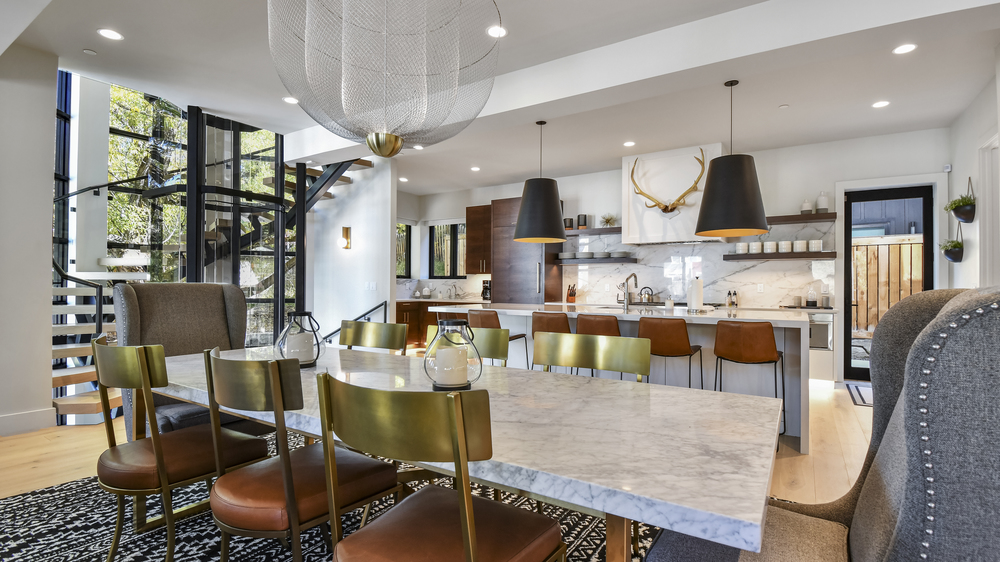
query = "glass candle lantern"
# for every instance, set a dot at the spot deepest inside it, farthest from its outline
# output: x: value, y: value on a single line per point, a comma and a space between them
x: 452, y: 361
x: 300, y: 339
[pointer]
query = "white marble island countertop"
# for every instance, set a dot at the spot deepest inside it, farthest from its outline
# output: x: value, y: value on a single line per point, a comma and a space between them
x: 779, y: 318
x: 687, y: 460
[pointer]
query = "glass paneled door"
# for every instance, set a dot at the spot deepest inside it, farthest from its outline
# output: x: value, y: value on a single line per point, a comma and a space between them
x: 890, y: 256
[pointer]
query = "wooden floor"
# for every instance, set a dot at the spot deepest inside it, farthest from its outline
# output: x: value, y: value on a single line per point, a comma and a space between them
x: 840, y: 435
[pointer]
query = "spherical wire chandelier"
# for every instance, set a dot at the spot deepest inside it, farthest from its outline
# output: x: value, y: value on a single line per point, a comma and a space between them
x: 390, y: 73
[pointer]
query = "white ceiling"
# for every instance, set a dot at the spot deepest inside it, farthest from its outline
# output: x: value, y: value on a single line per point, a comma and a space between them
x: 214, y: 53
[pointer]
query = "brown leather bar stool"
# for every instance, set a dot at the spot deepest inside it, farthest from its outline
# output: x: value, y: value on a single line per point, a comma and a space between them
x: 453, y: 316
x: 555, y: 322
x: 598, y: 325
x: 749, y: 343
x: 490, y: 319
x: 669, y: 338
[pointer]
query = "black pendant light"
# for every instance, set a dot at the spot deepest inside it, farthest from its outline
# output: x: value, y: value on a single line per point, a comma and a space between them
x: 540, y: 218
x: 732, y: 205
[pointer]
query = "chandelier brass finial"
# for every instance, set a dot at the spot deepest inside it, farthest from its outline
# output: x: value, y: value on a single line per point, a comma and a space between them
x: 385, y: 145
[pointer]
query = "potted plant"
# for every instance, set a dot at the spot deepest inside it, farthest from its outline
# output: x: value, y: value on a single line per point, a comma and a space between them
x: 954, y: 250
x: 964, y: 208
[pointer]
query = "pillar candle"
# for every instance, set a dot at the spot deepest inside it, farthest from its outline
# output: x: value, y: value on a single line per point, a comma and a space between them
x: 300, y: 346
x: 452, y: 366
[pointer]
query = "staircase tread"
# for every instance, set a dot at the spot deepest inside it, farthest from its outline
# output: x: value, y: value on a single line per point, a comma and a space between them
x: 86, y: 328
x: 86, y: 402
x: 74, y: 291
x: 73, y: 375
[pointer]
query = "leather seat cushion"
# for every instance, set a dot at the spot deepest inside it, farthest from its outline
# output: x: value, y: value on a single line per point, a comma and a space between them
x: 187, y: 453
x: 425, y: 527
x: 253, y: 497
x: 788, y: 537
x: 171, y: 417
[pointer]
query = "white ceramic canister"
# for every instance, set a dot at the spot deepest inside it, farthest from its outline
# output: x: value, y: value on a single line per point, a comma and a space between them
x: 800, y: 246
x: 742, y: 247
x: 755, y: 247
x: 815, y: 245
x: 770, y: 247
x: 785, y: 246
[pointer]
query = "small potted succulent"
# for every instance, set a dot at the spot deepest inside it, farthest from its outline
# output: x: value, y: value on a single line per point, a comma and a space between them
x: 954, y: 250
x: 964, y: 208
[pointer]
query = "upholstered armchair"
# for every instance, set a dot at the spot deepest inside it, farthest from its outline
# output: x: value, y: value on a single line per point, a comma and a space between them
x: 184, y: 318
x: 930, y: 485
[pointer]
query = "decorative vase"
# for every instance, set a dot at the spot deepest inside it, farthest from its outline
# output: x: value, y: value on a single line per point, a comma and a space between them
x: 965, y: 213
x: 300, y: 339
x: 452, y: 361
x: 954, y: 254
x: 822, y: 203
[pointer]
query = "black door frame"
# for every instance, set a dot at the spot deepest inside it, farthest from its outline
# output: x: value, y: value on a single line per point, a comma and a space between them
x: 925, y: 192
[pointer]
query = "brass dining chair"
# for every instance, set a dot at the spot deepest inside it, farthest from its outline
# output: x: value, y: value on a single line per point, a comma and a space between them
x: 491, y: 343
x: 434, y: 523
x: 603, y: 353
x: 668, y: 337
x: 490, y: 319
x: 160, y: 463
x: 373, y: 334
x: 284, y: 495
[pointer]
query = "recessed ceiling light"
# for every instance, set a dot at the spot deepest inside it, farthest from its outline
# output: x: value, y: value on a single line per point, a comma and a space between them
x: 418, y: 147
x: 404, y: 180
x: 289, y: 99
x: 89, y: 52
x: 629, y: 143
x: 783, y: 106
x: 475, y: 168
x: 880, y: 104
x: 497, y: 31
x: 111, y: 34
x: 903, y: 49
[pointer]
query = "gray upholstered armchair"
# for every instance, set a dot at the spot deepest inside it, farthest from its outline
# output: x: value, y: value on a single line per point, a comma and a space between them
x: 930, y: 486
x: 184, y: 318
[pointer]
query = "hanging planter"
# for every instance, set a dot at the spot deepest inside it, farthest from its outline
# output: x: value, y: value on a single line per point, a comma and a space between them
x: 964, y: 208
x: 954, y: 250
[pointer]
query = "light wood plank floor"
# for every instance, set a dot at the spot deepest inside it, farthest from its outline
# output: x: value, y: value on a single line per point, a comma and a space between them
x: 840, y: 435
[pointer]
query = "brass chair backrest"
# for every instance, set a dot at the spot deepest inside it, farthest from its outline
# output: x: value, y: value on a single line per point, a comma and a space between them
x: 407, y: 426
x: 373, y: 334
x: 246, y: 385
x: 490, y: 342
x: 119, y: 366
x: 605, y: 353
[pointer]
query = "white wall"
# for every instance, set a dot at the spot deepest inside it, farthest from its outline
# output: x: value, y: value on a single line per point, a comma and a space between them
x: 27, y: 156
x: 339, y: 277
x: 973, y: 129
x: 88, y: 164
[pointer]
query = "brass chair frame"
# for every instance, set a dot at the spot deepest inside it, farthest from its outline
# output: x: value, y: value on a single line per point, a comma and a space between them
x: 262, y: 386
x: 491, y: 343
x: 373, y: 334
x: 454, y: 427
x: 603, y: 353
x: 141, y: 368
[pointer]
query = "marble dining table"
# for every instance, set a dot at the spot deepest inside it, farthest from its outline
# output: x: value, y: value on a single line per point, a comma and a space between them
x: 691, y: 461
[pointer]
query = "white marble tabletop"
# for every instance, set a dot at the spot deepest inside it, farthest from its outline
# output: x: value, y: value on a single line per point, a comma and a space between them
x: 779, y: 318
x: 692, y: 461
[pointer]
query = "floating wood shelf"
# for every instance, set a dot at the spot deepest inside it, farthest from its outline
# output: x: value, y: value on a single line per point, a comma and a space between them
x: 589, y: 261
x: 594, y: 231
x: 801, y: 219
x: 781, y: 256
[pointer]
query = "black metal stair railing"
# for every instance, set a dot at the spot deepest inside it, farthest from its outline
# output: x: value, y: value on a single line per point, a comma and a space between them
x: 364, y: 316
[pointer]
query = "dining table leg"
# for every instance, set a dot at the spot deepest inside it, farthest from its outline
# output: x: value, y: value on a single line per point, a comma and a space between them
x: 619, y: 544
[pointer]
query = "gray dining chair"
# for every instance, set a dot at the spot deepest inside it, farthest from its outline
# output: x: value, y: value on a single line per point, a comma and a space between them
x: 930, y: 485
x: 185, y: 318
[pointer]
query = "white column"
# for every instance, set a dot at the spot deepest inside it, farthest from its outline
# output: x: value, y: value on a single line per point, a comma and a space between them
x: 90, y: 119
x: 27, y: 158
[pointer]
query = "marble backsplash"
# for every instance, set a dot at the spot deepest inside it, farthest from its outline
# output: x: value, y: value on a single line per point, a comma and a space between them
x: 469, y: 288
x: 669, y: 268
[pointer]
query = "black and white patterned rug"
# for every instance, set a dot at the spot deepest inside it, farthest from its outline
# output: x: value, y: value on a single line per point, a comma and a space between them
x: 75, y: 521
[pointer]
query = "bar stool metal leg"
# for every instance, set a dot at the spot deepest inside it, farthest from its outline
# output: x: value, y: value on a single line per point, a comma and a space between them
x: 701, y: 367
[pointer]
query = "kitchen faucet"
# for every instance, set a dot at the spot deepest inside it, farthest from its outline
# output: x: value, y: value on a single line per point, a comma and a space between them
x: 624, y: 289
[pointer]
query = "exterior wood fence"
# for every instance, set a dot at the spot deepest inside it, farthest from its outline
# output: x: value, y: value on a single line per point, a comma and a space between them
x: 885, y: 270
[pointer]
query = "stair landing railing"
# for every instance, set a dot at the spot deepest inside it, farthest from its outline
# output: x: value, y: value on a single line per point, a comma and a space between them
x: 99, y: 317
x: 365, y: 316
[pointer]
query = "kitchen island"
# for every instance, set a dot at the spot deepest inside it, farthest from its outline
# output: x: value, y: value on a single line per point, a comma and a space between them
x: 791, y: 333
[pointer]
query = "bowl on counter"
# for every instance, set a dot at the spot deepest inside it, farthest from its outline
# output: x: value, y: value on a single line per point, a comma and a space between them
x: 584, y: 255
x: 602, y: 254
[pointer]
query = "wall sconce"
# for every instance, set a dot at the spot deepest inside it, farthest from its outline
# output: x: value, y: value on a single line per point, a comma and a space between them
x: 345, y: 238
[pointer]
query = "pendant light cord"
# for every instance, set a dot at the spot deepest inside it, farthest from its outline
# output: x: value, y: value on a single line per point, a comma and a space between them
x: 731, y: 150
x: 539, y: 151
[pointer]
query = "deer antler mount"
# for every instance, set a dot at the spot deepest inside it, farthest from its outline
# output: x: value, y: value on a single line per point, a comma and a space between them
x: 666, y: 208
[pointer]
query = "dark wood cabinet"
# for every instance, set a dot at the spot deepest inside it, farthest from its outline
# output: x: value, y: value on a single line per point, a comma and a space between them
x: 478, y: 239
x: 410, y: 313
x: 522, y: 272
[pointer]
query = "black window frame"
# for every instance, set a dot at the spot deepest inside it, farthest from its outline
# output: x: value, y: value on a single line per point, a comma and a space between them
x: 453, y: 253
x: 408, y: 254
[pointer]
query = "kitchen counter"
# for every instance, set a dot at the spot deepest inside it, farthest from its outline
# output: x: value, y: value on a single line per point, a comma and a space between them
x: 791, y: 335
x: 456, y: 301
